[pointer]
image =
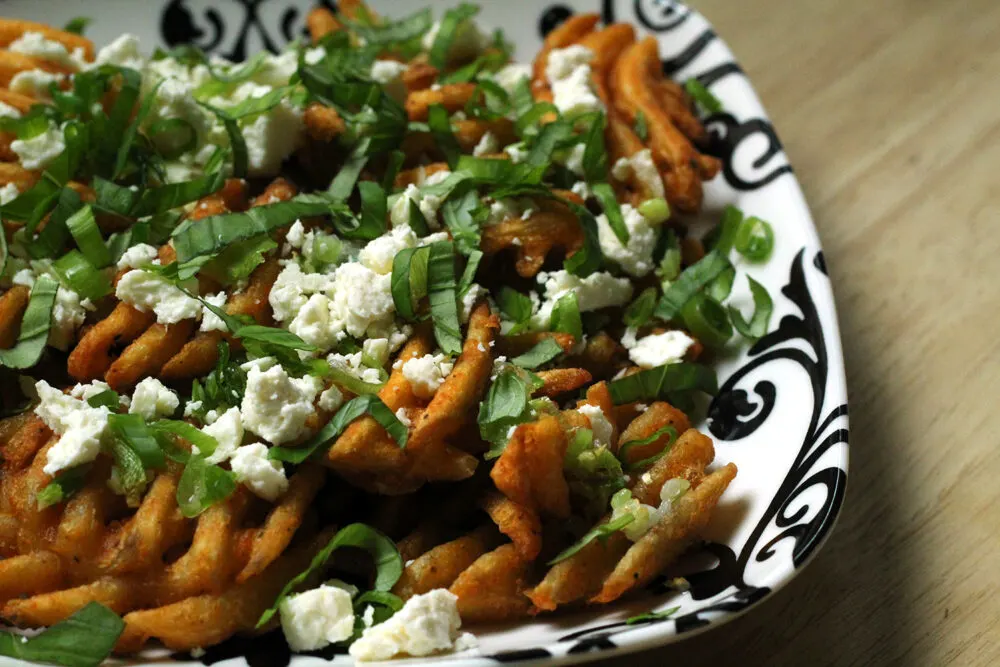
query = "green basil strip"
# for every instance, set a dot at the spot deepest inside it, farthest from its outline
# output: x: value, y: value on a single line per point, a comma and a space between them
x: 4, y: 254
x: 499, y: 172
x: 691, y: 281
x: 703, y: 96
x: 652, y: 616
x: 372, y: 223
x: 34, y: 326
x: 85, y: 232
x: 506, y: 405
x: 388, y: 562
x: 84, y: 639
x: 403, y: 30
x: 132, y: 430
x: 447, y: 29
x: 108, y: 398
x: 722, y: 238
x: 202, y: 485
x: 595, y: 156
x: 354, y: 408
x: 174, y: 127
x: 402, y: 281
x: 113, y: 198
x: 462, y: 215
x: 625, y: 447
x: 343, y: 183
x: 216, y: 232
x: 605, y: 194
x: 159, y: 200
x: 444, y: 138
x: 657, y: 383
x: 469, y: 273
x: 204, y: 443
x: 63, y: 487
x: 110, y: 139
x: 394, y: 162
x: 417, y: 220
x: 81, y: 277
x: 641, y: 126
x: 566, y: 316
x: 602, y: 531
x: 239, y: 260
x: 54, y: 236
x: 587, y: 259
x: 441, y: 292
x: 763, y: 306
x: 121, y: 157
x: 77, y: 25
x: 515, y: 307
x: 131, y: 472
x: 543, y: 352
x: 551, y: 136
x: 640, y: 311
x: 241, y: 159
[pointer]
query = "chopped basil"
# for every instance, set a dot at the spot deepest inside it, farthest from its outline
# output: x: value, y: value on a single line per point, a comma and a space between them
x: 354, y: 408
x: 587, y: 259
x: 77, y: 25
x: 407, y: 285
x: 652, y: 616
x: 202, y: 485
x: 388, y: 562
x: 444, y: 139
x: 34, y: 326
x: 404, y: 30
x: 541, y: 353
x: 131, y: 429
x: 506, y: 406
x: 662, y: 381
x: 448, y: 28
x: 566, y: 316
x: 84, y: 639
x: 107, y: 398
x: 602, y: 532
x: 605, y: 194
x: 201, y: 442
x: 757, y: 326
x: 469, y: 273
x: 239, y: 260
x: 689, y: 283
x: 443, y: 297
x: 515, y: 307
x: 640, y: 311
x: 702, y: 96
x: 463, y: 214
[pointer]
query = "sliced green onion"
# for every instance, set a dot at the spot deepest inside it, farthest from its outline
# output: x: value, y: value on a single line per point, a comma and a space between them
x: 34, y: 326
x: 108, y: 399
x: 83, y: 227
x: 703, y: 96
x: 65, y: 485
x: 353, y: 383
x: 624, y: 448
x: 202, y: 485
x: 77, y: 25
x: 203, y: 442
x: 755, y: 239
x: 131, y: 429
x: 719, y: 289
x: 706, y: 319
x: 81, y: 277
x: 757, y: 326
x: 655, y: 210
x: 652, y: 616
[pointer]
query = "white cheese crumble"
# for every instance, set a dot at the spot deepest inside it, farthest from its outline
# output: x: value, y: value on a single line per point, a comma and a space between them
x: 8, y: 193
x: 599, y: 424
x: 487, y: 145
x: 427, y: 373
x: 275, y: 406
x: 467, y: 43
x: 317, y: 618
x: 655, y: 350
x: 403, y: 417
x: 509, y: 76
x: 123, y: 52
x: 469, y: 300
x: 209, y: 320
x: 35, y: 83
x: 39, y: 151
x: 266, y: 478
x: 645, y: 516
x: 138, y: 256
x: 227, y: 429
x: 598, y: 290
x: 79, y: 426
x: 636, y: 258
x: 426, y: 624
x: 35, y: 44
x: 428, y: 204
x: 640, y: 165
x: 7, y: 111
x: 331, y: 399
x: 152, y: 399
x: 352, y: 365
x: 389, y: 73
x: 68, y: 313
x: 569, y: 74
x: 147, y: 291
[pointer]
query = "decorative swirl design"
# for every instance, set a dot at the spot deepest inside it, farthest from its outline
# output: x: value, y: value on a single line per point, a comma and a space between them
x: 552, y: 18
x: 177, y: 26
x: 727, y: 135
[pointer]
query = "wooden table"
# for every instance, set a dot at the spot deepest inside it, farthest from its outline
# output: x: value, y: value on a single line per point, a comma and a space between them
x: 889, y: 112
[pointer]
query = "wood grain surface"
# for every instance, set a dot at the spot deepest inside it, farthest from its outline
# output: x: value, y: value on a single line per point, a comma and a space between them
x: 888, y: 110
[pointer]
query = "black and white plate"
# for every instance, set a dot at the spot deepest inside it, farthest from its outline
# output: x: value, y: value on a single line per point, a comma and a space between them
x: 781, y: 415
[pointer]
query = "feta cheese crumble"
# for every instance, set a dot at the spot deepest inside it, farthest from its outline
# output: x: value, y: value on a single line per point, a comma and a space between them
x: 35, y: 44
x: 275, y: 406
x: 389, y: 73
x: 317, y: 618
x: 655, y: 350
x: 39, y: 151
x: 598, y: 290
x: 138, y: 256
x: 147, y: 291
x: 426, y: 624
x: 152, y: 399
x: 35, y: 83
x: 641, y: 166
x: 227, y: 429
x: 266, y: 478
x: 599, y: 424
x: 79, y: 426
x: 569, y: 74
x: 487, y: 145
x: 635, y: 258
x: 427, y: 373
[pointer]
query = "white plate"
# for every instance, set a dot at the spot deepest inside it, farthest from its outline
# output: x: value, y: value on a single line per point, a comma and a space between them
x: 781, y: 415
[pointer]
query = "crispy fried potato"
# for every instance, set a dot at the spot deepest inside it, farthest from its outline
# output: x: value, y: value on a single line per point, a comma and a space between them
x: 492, y: 588
x: 533, y: 238
x: 574, y: 29
x: 18, y: 175
x: 441, y: 565
x: 23, y: 436
x: 470, y: 132
x: 20, y: 102
x: 31, y: 573
x: 419, y: 76
x: 558, y: 381
x: 657, y: 416
x: 91, y: 357
x: 667, y: 539
x: 453, y: 97
x: 530, y: 470
x: 517, y: 522
x: 417, y: 175
x: 320, y: 21
x: 148, y: 353
x: 13, y: 303
x: 12, y: 29
x: 323, y: 123
x: 12, y: 63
